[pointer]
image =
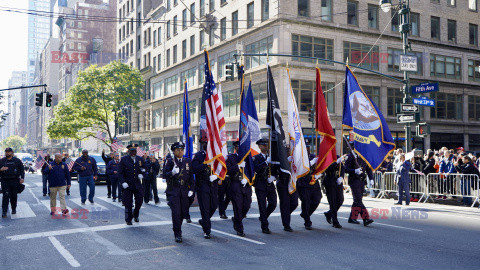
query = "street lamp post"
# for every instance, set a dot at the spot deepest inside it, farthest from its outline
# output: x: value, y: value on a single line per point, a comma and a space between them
x: 404, y: 13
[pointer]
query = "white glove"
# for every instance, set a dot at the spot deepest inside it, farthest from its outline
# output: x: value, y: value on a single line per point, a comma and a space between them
x: 313, y: 161
x: 371, y: 182
x: 142, y: 170
x: 340, y: 159
x: 271, y: 179
x: 289, y: 158
x: 358, y: 171
x: 190, y: 193
x: 175, y: 170
x: 269, y: 160
x: 242, y: 165
x: 317, y: 176
x: 125, y: 185
x: 213, y: 178
x: 244, y: 181
x: 163, y: 180
x: 339, y: 181
x: 140, y: 176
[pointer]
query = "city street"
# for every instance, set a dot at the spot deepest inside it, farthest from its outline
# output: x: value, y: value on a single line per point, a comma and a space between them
x: 423, y: 236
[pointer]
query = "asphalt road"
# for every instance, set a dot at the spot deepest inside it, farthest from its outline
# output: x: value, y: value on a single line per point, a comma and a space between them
x: 421, y: 236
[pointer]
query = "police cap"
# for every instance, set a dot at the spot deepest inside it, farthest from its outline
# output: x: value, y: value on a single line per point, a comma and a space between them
x: 262, y: 142
x: 176, y: 145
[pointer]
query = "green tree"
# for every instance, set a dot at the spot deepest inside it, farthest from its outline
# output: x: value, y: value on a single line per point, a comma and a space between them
x: 15, y: 142
x: 95, y: 101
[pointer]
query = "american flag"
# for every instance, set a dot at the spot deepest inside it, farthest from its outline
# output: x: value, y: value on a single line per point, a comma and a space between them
x: 140, y: 152
x: 70, y: 162
x: 216, y: 146
x: 101, y: 135
x: 39, y: 161
x: 116, y: 145
x: 155, y: 148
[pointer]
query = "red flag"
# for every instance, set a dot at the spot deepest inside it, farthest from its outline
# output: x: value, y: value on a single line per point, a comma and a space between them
x: 327, y: 154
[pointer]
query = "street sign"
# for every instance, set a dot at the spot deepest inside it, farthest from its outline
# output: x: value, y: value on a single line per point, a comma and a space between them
x: 424, y: 101
x: 425, y: 88
x: 409, y: 108
x: 408, y: 63
x: 406, y: 118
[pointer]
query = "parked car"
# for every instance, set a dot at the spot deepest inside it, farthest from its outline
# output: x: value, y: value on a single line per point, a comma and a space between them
x: 102, y: 168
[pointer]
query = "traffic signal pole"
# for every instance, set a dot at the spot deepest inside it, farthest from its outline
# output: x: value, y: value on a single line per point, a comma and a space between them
x: 404, y: 29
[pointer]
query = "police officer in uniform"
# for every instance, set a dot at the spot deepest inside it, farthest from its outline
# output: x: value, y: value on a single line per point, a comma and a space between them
x: 180, y: 184
x: 206, y: 187
x: 12, y: 174
x: 309, y: 192
x: 240, y: 190
x: 224, y: 192
x: 264, y: 186
x: 153, y: 167
x: 112, y: 171
x: 333, y: 183
x: 357, y: 171
x: 288, y: 202
x: 130, y: 172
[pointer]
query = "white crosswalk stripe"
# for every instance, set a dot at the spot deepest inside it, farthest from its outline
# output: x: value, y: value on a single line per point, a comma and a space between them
x: 23, y: 211
x: 46, y: 203
x: 117, y: 204
x: 90, y: 207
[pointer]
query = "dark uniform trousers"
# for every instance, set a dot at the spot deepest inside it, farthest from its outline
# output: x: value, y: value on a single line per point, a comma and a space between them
x: 267, y: 202
x: 224, y: 195
x: 357, y: 185
x: 178, y: 187
x: 241, y: 202
x: 128, y: 172
x: 310, y: 196
x: 128, y: 193
x: 207, y: 192
x: 288, y: 202
x: 9, y: 191
x: 333, y: 190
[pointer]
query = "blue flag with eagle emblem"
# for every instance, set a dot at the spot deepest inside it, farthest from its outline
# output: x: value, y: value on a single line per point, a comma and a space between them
x: 372, y: 139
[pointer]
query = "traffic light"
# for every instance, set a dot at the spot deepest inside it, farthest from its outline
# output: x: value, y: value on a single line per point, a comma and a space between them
x: 229, y: 71
x: 311, y: 115
x: 423, y: 129
x: 39, y: 99
x: 48, y: 102
x: 239, y: 72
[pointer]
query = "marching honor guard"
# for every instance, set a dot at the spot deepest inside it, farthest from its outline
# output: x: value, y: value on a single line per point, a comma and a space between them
x: 264, y: 186
x: 130, y: 171
x: 180, y: 184
x: 240, y: 190
x: 333, y: 183
x: 288, y: 202
x: 206, y: 187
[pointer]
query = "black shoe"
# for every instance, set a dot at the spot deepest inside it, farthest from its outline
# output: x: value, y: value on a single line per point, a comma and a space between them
x: 4, y: 215
x: 337, y: 225
x: 189, y: 220
x: 308, y: 227
x: 44, y: 195
x: 129, y: 223
x: 266, y: 231
x: 240, y: 234
x: 178, y: 239
x: 328, y: 217
x: 14, y: 211
x: 157, y: 202
x: 223, y: 216
x: 287, y: 229
x: 114, y: 200
x: 83, y: 202
x: 91, y: 201
x: 353, y: 221
x: 367, y: 222
x: 136, y: 219
x: 398, y: 203
x: 109, y: 196
x: 207, y: 236
x: 123, y: 204
x: 68, y: 193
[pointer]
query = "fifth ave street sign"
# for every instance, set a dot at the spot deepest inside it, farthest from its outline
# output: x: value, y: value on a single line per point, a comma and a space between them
x: 408, y: 63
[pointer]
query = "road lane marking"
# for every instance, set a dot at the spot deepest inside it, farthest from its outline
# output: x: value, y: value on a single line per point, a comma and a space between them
x: 117, y: 204
x: 90, y: 207
x: 231, y: 235
x: 33, y: 194
x: 23, y: 211
x: 64, y: 252
x: 394, y: 226
x: 46, y: 203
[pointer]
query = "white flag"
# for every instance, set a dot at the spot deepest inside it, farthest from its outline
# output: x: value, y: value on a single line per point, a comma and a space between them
x: 300, y: 165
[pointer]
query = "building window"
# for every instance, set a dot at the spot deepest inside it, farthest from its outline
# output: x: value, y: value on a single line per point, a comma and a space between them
x: 168, y: 30
x: 211, y: 36
x: 202, y: 8
x: 395, y: 21
x: 223, y: 60
x: 448, y: 106
x: 452, y: 2
x: 352, y: 13
x: 327, y: 8
x: 184, y: 19
x: 304, y: 94
x: 174, y: 56
x: 472, y: 5
x: 358, y: 54
x: 474, y: 70
x: 223, y: 29
x: 452, y: 31
x: 184, y: 49
x: 192, y: 45
x: 474, y: 108
x: 262, y: 46
x: 265, y: 10
x: 415, y: 24
x: 234, y: 23
x: 159, y: 62
x: 157, y: 118
x: 250, y: 15
x: 154, y: 63
x: 170, y: 115
x: 303, y: 8
x: 394, y: 61
x: 192, y: 104
x: 445, y: 67
x: 192, y: 13
x: 312, y: 47
x: 211, y: 6
x: 157, y: 90
x: 154, y: 38
x: 373, y: 16
x: 171, y: 85
x: 190, y: 75
x: 394, y: 96
x: 159, y: 37
x: 201, y: 74
x: 175, y: 3
x: 231, y: 102
x: 435, y: 28
x: 473, y: 34
x: 374, y: 93
x: 169, y: 7
x: 168, y: 57
x: 202, y: 40
x: 175, y: 21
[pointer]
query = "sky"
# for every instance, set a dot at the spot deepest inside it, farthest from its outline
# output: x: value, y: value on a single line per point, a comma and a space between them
x: 14, y: 35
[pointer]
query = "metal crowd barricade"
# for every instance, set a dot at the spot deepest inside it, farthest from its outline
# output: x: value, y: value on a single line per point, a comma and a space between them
x: 377, y: 183
x: 455, y: 184
x: 389, y: 185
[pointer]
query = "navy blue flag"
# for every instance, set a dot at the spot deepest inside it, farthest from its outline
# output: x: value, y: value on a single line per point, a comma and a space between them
x: 372, y: 139
x: 187, y: 132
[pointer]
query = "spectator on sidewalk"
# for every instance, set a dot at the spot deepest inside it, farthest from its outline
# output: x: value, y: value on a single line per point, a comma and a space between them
x: 466, y: 182
x: 446, y: 184
x: 58, y: 179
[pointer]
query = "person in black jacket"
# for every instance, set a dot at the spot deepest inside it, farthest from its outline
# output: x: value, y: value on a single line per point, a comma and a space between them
x: 107, y: 159
x: 467, y: 167
x: 333, y: 183
x: 46, y: 188
x: 112, y: 172
x: 12, y: 174
x: 150, y: 180
x: 429, y: 164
